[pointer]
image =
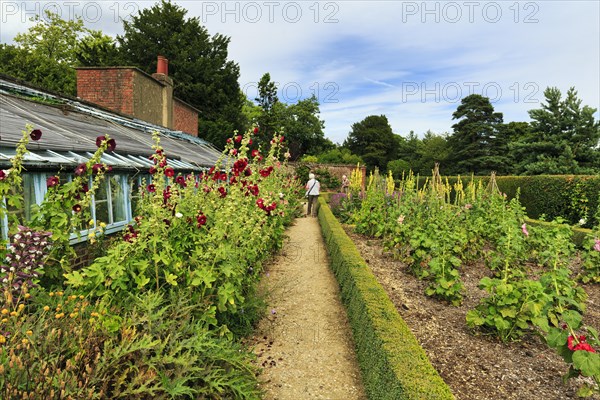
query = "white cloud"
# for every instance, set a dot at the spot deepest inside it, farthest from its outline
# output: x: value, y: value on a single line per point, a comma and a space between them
x: 404, y: 59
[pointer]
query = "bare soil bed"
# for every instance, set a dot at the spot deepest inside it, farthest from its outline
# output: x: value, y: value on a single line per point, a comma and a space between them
x: 475, y: 366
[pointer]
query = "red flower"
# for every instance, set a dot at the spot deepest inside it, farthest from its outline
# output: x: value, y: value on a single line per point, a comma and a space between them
x: 2, y: 174
x: 256, y: 129
x: 222, y: 191
x: 250, y: 142
x: 247, y: 172
x: 151, y: 188
x: 81, y: 168
x: 152, y: 170
x: 97, y: 168
x: 35, y: 134
x: 228, y: 140
x: 111, y: 145
x: 169, y: 172
x: 281, y: 139
x: 180, y: 180
x: 255, y: 153
x: 201, y: 220
x: 233, y: 152
x: 238, y: 138
x: 77, y: 208
x: 85, y: 188
x: 99, y: 140
x: 52, y: 181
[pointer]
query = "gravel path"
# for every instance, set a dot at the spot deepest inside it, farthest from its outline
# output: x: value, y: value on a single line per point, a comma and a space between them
x: 305, y: 345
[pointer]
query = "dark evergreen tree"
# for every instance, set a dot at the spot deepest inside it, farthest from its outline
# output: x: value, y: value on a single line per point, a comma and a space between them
x: 563, y: 138
x: 475, y: 146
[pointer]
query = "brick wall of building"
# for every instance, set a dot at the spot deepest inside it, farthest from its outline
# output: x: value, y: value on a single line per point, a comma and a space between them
x: 185, y: 117
x: 110, y: 88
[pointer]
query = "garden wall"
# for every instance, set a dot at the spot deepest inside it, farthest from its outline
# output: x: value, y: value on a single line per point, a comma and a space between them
x: 393, y: 364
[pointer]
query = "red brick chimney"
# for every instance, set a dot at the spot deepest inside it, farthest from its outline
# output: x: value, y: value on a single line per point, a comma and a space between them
x: 131, y: 91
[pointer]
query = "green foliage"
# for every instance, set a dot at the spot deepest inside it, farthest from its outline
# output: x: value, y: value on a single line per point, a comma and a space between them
x: 563, y: 139
x: 338, y: 155
x: 475, y: 145
x: 392, y: 362
x: 373, y: 140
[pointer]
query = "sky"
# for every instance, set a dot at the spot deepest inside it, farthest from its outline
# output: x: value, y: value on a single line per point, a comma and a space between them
x: 412, y: 61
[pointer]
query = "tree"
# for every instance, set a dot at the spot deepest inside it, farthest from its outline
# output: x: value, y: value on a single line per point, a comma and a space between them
x: 474, y: 145
x: 373, y: 140
x: 563, y: 138
x: 339, y: 155
x: 198, y: 63
x: 45, y: 54
x: 434, y: 150
x: 272, y: 110
x: 97, y: 49
x: 303, y: 128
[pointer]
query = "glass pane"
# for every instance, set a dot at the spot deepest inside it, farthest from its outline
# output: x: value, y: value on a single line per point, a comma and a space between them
x: 102, y: 204
x: 118, y: 199
x: 134, y: 192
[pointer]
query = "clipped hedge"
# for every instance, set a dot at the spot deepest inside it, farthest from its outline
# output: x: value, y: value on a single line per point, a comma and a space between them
x: 550, y: 195
x: 393, y: 364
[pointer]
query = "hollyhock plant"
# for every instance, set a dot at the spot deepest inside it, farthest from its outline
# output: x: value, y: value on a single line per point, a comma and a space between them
x: 3, y: 174
x: 24, y: 262
x: 151, y: 188
x: 180, y: 180
x: 169, y: 172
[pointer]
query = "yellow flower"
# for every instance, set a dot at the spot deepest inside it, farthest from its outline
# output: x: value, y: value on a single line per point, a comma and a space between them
x: 29, y: 333
x: 102, y: 224
x: 21, y: 306
x: 13, y: 313
x: 94, y: 314
x: 46, y: 308
x: 92, y: 320
x: 4, y: 311
x: 2, y: 339
x: 91, y: 222
x: 24, y: 341
x: 27, y: 295
x: 80, y: 297
x: 51, y: 294
x: 59, y: 316
x: 73, y: 315
x: 4, y: 320
x: 59, y: 293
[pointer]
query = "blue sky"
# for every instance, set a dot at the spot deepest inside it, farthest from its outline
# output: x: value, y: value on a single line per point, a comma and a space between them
x: 410, y: 60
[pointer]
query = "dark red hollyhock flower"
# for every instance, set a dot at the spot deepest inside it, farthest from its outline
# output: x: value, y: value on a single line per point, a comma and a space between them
x: 207, y: 189
x: 281, y: 139
x: 52, y: 181
x: 247, y: 172
x: 180, y: 180
x: 260, y: 203
x: 2, y: 174
x: 111, y: 145
x: 211, y: 170
x: 238, y: 138
x: 222, y: 191
x: 167, y: 222
x: 233, y: 152
x: 152, y: 170
x: 233, y: 180
x: 159, y: 151
x: 228, y: 140
x: 255, y: 153
x: 151, y: 188
x: 163, y: 163
x: 167, y: 193
x: 109, y: 168
x: 223, y: 176
x: 264, y: 172
x: 169, y: 172
x: 81, y: 168
x: 201, y: 220
x: 85, y: 188
x: 256, y: 129
x: 253, y: 189
x: 99, y: 140
x: 77, y: 208
x: 97, y: 168
x: 35, y: 134
x: 250, y: 142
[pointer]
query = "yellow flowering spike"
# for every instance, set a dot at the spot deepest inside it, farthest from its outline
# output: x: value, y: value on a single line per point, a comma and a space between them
x: 29, y: 333
x: 46, y: 308
x: 5, y: 311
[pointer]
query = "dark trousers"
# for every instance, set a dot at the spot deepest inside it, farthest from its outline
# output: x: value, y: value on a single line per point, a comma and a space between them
x: 312, y: 205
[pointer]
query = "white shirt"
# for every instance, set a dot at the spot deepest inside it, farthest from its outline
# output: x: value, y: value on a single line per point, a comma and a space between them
x: 315, y: 189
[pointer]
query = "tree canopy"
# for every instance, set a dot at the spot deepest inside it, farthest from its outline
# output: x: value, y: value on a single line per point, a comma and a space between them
x: 373, y: 140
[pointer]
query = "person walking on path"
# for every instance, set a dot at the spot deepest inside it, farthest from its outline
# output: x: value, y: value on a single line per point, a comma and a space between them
x: 312, y: 193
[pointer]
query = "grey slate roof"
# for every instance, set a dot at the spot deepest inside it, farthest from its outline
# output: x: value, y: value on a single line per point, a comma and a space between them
x: 69, y: 131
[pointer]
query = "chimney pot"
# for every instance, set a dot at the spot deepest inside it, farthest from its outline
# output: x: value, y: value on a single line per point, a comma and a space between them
x: 162, y: 67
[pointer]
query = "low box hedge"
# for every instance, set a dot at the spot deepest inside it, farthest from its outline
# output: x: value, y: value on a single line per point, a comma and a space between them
x: 393, y: 364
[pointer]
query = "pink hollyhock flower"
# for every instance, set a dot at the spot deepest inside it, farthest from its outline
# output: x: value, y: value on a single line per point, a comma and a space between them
x: 597, y: 244
x: 35, y: 134
x: 524, y: 229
